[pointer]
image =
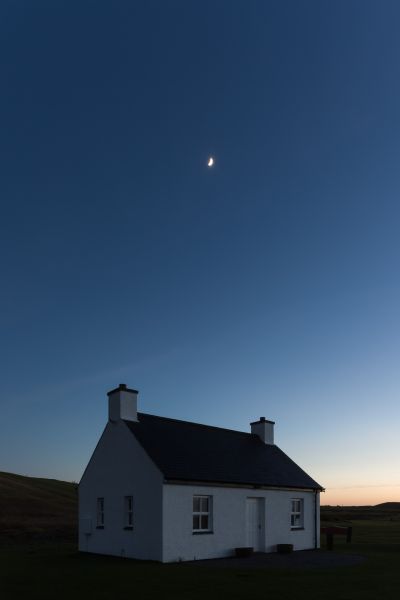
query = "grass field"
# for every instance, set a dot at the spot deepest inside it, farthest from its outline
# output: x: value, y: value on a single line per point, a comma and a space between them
x: 42, y: 562
x: 45, y: 570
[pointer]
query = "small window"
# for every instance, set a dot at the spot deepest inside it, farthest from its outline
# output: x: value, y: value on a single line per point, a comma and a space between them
x: 201, y: 513
x: 296, y: 516
x: 128, y: 512
x: 100, y: 512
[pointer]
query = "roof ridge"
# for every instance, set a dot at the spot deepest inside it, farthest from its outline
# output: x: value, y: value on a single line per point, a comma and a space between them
x: 197, y: 424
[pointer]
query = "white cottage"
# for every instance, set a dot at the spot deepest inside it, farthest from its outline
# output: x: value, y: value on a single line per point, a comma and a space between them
x: 169, y: 490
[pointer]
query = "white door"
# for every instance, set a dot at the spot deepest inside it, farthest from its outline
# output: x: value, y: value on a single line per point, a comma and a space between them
x: 255, y: 523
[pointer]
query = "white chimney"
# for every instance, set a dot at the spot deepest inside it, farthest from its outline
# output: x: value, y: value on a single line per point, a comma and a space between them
x: 264, y: 429
x: 122, y: 404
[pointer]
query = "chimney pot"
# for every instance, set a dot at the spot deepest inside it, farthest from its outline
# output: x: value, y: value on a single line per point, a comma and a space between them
x: 264, y: 429
x: 122, y: 404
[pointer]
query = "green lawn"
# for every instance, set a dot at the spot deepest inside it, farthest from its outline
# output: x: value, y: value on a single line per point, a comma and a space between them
x: 49, y: 571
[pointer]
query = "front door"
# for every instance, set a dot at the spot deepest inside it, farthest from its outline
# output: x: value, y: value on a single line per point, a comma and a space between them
x: 255, y: 523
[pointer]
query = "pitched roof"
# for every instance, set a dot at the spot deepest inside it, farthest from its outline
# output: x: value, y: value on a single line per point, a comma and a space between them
x: 192, y: 452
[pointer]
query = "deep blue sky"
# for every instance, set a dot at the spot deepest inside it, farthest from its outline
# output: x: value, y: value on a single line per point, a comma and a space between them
x: 268, y: 285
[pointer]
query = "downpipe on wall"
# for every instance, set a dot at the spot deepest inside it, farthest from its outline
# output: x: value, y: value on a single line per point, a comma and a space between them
x: 315, y: 521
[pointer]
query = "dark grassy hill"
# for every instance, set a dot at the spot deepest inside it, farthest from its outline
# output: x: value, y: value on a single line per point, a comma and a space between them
x: 39, y: 508
x: 392, y: 506
x: 388, y: 511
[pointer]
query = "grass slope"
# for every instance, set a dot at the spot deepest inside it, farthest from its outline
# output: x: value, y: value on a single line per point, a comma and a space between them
x: 43, y: 508
x: 395, y: 506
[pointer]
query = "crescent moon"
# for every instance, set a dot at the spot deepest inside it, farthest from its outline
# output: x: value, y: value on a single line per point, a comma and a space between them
x: 210, y: 162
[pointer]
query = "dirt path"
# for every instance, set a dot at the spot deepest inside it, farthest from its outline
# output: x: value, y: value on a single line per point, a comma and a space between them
x: 302, y: 559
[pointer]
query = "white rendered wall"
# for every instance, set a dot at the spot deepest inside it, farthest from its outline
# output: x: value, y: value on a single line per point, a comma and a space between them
x: 119, y: 467
x: 229, y: 521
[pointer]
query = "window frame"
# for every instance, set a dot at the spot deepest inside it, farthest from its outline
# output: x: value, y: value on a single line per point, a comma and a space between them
x: 296, y: 513
x: 128, y: 512
x: 100, y: 513
x: 201, y: 513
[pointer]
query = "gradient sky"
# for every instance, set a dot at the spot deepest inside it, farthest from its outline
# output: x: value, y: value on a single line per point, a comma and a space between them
x: 268, y: 285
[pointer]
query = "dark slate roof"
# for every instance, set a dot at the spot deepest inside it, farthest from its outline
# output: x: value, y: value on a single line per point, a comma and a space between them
x: 192, y: 452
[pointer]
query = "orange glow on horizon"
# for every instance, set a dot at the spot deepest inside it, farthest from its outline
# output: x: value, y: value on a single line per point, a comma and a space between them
x: 360, y: 495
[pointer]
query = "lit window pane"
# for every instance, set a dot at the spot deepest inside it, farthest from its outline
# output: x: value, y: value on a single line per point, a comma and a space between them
x: 196, y: 522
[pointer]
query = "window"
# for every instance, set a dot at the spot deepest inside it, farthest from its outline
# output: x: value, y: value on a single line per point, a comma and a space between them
x: 128, y: 512
x: 100, y: 512
x: 201, y: 513
x: 296, y: 516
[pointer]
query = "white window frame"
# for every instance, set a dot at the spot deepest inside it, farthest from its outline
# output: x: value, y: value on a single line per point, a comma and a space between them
x: 201, y: 511
x: 100, y: 512
x: 297, y: 513
x: 128, y: 512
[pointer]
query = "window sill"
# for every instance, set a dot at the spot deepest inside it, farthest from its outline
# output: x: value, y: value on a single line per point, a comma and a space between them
x: 297, y: 529
x: 128, y: 528
x: 100, y: 527
x: 202, y: 532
